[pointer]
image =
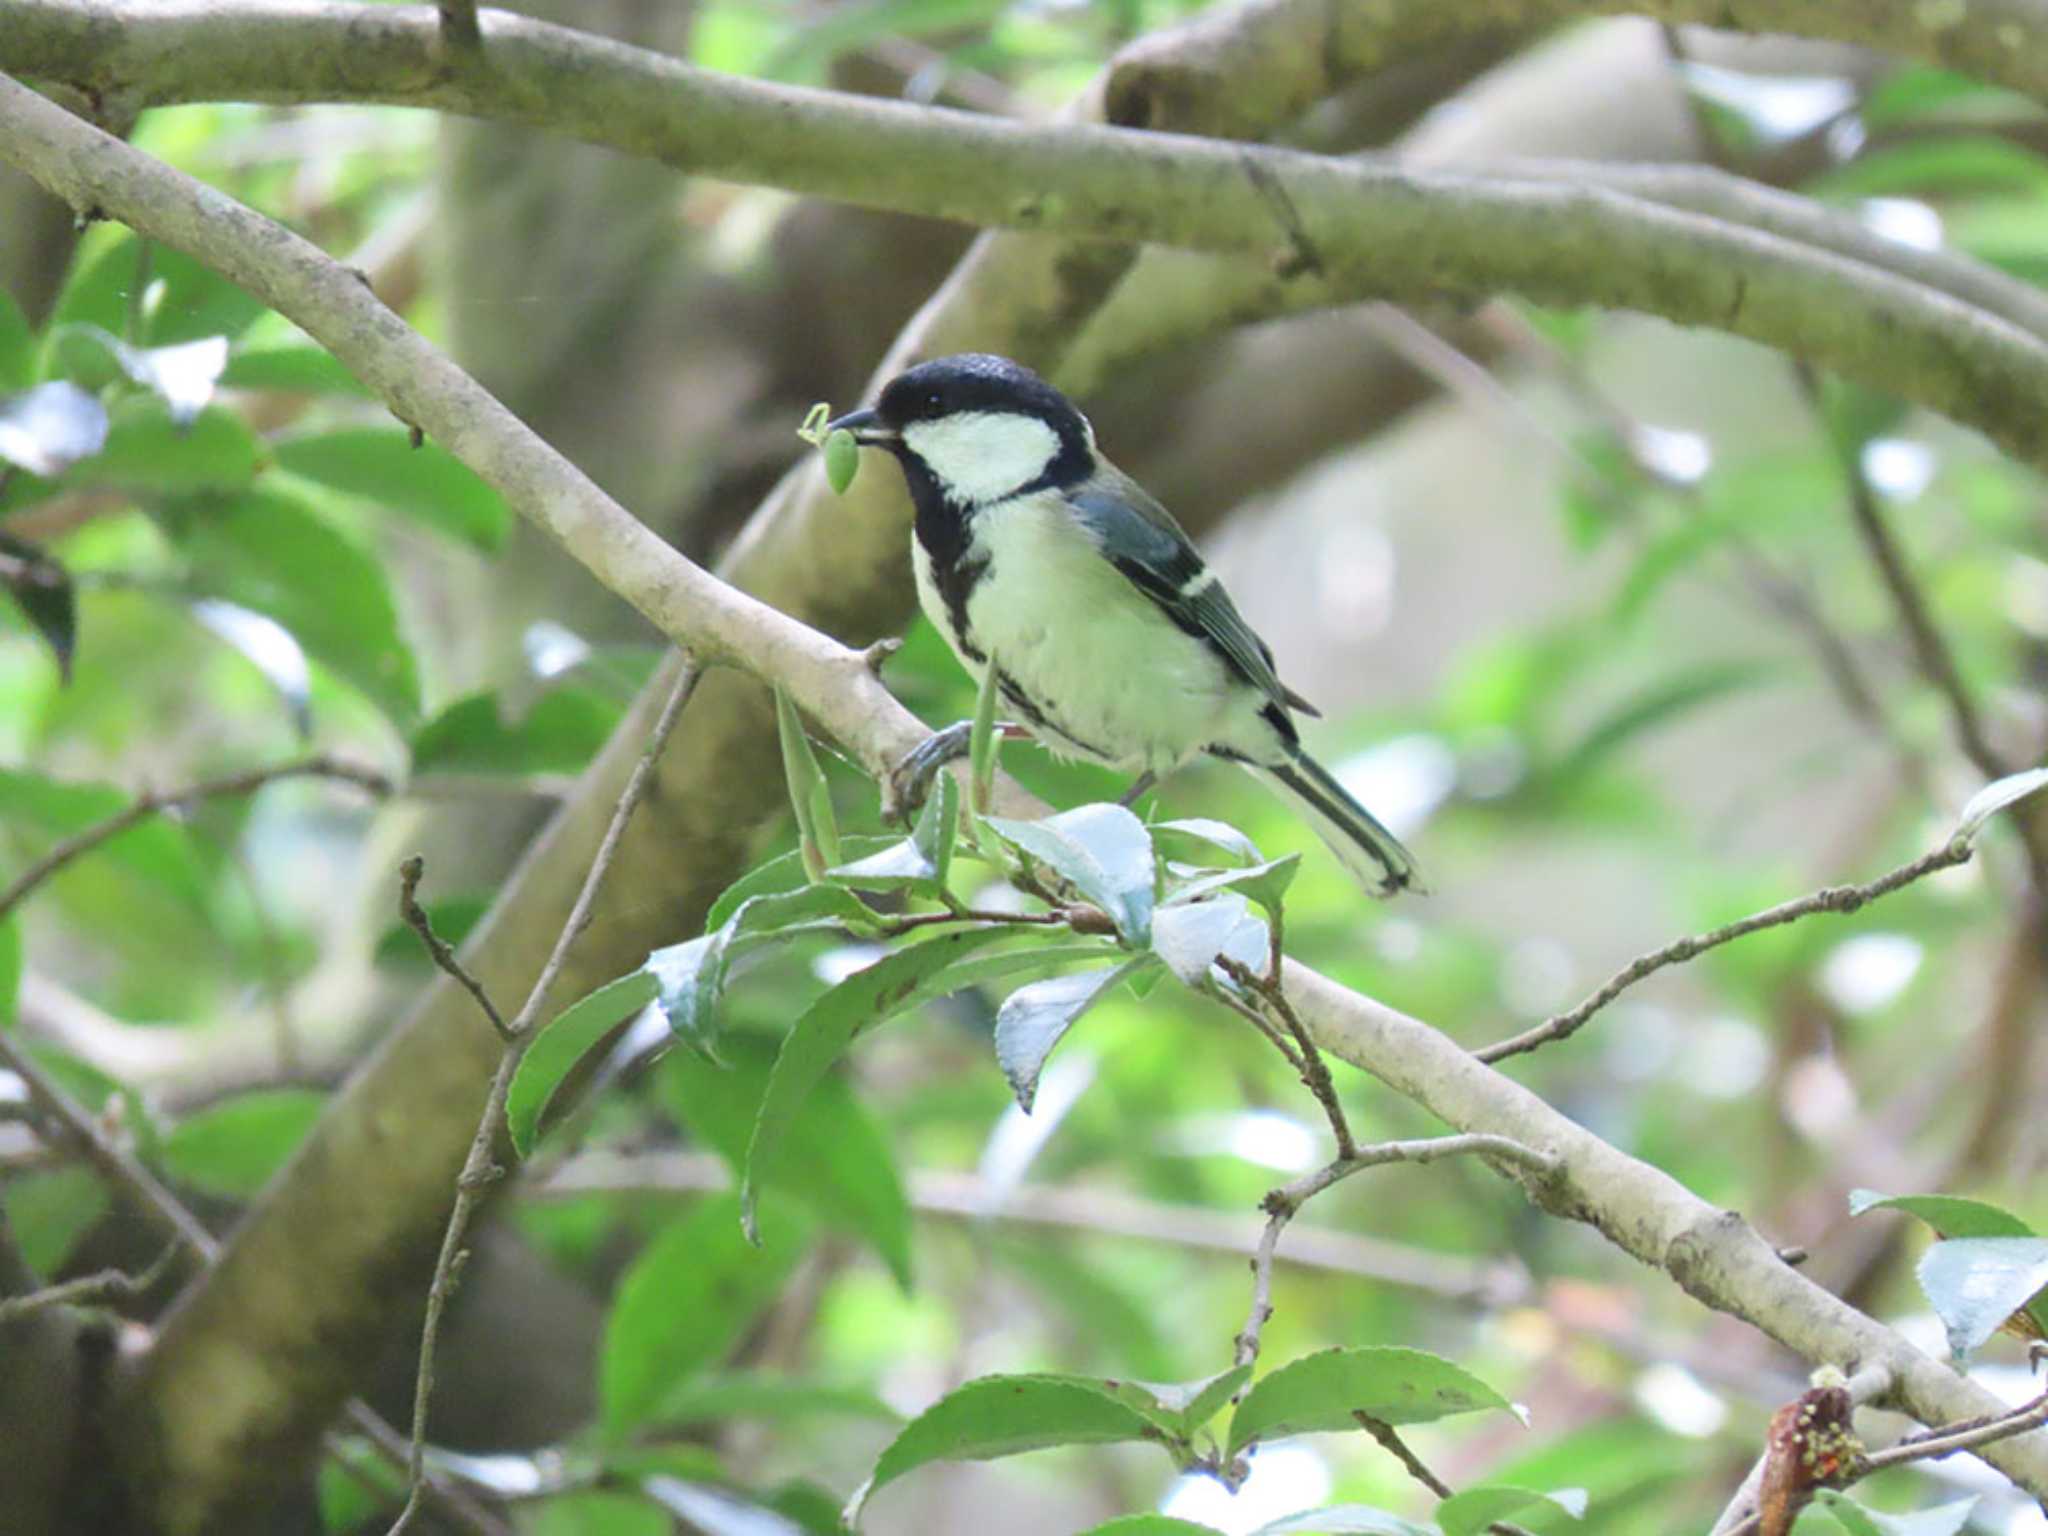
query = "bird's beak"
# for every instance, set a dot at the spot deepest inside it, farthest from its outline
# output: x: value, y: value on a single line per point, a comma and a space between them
x: 866, y: 427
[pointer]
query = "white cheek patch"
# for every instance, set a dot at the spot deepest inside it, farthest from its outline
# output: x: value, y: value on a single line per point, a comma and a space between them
x: 983, y: 456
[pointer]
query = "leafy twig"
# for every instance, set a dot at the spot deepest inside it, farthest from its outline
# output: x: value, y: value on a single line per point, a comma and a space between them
x: 1829, y: 898
x: 480, y: 1169
x: 416, y: 918
x: 151, y: 802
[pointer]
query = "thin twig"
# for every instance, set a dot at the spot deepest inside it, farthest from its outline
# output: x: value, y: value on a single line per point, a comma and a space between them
x: 1280, y: 1205
x: 1829, y: 898
x: 1965, y: 1436
x: 1315, y: 1072
x: 1398, y: 1448
x: 107, y: 1285
x: 1931, y: 653
x: 480, y: 1169
x: 149, y: 803
x: 416, y: 918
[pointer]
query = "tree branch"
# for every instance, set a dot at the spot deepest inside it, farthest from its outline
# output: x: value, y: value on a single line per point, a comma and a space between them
x: 1380, y: 231
x: 1829, y: 898
x: 150, y: 802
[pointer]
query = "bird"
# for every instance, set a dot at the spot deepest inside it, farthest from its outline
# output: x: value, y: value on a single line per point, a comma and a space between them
x: 1108, y: 632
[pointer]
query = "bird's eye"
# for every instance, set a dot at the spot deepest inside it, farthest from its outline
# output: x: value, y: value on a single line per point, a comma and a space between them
x: 933, y: 400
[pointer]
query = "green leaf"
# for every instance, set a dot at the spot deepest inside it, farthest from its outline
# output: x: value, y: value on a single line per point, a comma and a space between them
x: 1189, y: 936
x: 825, y: 1029
x: 1206, y: 1399
x: 1264, y: 883
x: 1474, y: 1509
x: 1005, y: 1416
x: 189, y: 300
x: 597, y: 1512
x: 842, y: 460
x: 1344, y: 1520
x: 689, y: 977
x: 17, y: 346
x: 563, y: 1042
x: 270, y: 553
x: 809, y: 795
x: 48, y: 1212
x: 565, y: 728
x: 42, y: 589
x: 428, y: 483
x: 1150, y: 1525
x: 1031, y: 961
x: 233, y: 1147
x: 1180, y: 1408
x: 785, y: 873
x: 1975, y: 1283
x: 1995, y: 797
x: 47, y: 429
x: 299, y: 368
x: 1102, y: 850
x: 690, y: 1295
x: 719, y: 1399
x: 1216, y: 834
x: 833, y: 1157
x: 1656, y: 705
x: 148, y: 454
x: 1947, y: 165
x: 1859, y: 1520
x: 182, y: 375
x: 1323, y: 1391
x: 1949, y: 1215
x: 1035, y: 1017
x: 921, y: 860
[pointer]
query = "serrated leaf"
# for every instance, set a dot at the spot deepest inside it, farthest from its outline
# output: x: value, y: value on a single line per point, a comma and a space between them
x: 563, y: 1042
x: 1474, y: 1509
x: 1998, y: 795
x: 47, y: 429
x: 1217, y: 834
x: 1344, y: 1520
x: 232, y: 1148
x: 1860, y: 1520
x: 1189, y: 936
x: 823, y: 1031
x: 1035, y: 1017
x: 842, y: 460
x: 1102, y: 850
x: 425, y: 482
x: 1324, y: 1391
x: 1976, y: 1283
x: 688, y: 1297
x: 1181, y: 1408
x: 1949, y: 1215
x: 42, y: 588
x: 834, y: 1156
x: 266, y: 552
x: 563, y: 730
x: 810, y: 797
x: 1005, y: 1416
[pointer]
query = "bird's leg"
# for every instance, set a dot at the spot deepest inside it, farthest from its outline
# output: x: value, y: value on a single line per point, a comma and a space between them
x: 911, y: 779
x: 1139, y: 786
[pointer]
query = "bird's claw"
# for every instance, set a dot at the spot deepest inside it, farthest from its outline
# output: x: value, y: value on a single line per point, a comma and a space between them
x: 911, y: 779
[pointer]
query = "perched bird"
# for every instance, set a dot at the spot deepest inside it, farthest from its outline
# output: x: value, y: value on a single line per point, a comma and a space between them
x: 1109, y: 634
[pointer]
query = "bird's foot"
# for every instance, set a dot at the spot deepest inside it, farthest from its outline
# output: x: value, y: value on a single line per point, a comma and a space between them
x: 1138, y: 789
x: 911, y: 779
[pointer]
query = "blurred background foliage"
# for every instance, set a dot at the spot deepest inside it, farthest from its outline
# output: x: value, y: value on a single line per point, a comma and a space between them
x: 1583, y: 596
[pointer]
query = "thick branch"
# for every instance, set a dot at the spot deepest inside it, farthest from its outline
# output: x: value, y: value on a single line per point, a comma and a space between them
x: 1379, y: 231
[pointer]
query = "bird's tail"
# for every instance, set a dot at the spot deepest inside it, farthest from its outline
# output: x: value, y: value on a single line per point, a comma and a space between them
x: 1372, y: 854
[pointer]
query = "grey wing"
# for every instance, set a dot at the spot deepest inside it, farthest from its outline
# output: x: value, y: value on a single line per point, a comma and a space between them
x: 1141, y: 539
